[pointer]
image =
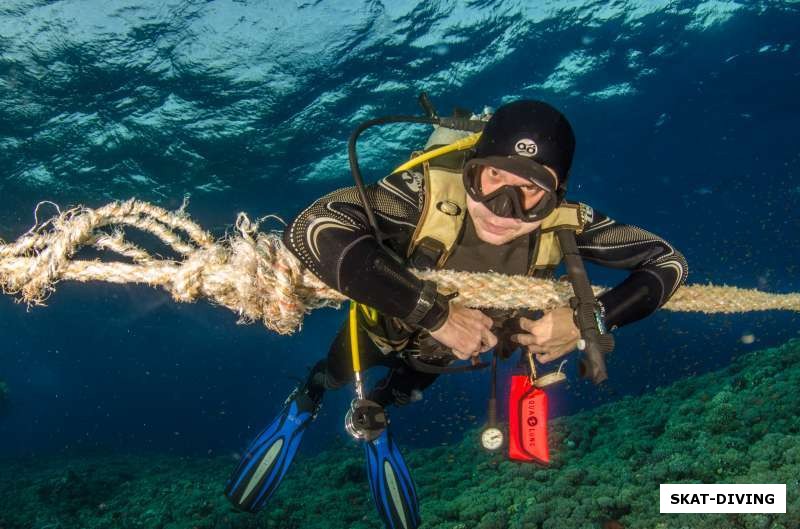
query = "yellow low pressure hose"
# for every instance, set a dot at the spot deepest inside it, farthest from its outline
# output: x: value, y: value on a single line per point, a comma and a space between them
x: 353, y: 321
x: 354, y: 337
x: 464, y: 143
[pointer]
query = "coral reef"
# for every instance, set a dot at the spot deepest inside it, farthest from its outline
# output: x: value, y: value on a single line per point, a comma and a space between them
x: 737, y: 425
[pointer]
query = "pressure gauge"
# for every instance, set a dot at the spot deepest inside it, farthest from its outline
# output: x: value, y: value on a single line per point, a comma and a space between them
x: 492, y: 438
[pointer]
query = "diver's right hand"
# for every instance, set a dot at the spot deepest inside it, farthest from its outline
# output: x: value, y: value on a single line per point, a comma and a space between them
x: 467, y: 332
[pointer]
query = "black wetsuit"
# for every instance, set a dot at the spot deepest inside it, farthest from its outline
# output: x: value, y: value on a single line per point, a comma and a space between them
x: 333, y: 238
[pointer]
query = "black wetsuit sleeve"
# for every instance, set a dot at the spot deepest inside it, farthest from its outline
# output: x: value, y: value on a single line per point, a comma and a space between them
x: 332, y: 238
x: 657, y: 268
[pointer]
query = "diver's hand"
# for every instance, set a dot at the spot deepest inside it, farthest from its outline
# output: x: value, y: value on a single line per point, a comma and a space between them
x: 550, y: 337
x: 466, y: 331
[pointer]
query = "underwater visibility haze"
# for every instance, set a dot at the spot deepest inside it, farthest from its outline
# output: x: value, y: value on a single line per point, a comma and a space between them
x: 120, y: 407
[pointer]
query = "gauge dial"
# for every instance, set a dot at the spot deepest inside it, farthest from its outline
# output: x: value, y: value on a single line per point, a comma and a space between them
x: 492, y: 438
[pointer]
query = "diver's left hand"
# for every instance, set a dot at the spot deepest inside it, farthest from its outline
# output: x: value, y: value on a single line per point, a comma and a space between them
x: 551, y: 336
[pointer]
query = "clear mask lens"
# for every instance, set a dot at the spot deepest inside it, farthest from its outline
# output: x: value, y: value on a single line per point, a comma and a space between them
x: 508, y: 201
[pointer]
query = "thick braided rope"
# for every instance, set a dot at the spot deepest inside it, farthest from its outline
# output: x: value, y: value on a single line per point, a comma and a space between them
x: 256, y: 276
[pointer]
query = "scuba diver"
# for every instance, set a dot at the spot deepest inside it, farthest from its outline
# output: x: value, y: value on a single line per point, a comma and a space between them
x: 493, y: 207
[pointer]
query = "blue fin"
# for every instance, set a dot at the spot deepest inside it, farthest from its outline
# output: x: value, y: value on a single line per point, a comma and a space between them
x: 268, y: 457
x: 391, y: 484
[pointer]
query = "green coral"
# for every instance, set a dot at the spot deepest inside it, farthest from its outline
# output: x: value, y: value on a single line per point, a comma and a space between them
x: 741, y: 424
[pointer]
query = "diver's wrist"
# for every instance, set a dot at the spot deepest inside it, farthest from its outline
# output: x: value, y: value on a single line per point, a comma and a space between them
x: 431, y: 309
x: 437, y: 315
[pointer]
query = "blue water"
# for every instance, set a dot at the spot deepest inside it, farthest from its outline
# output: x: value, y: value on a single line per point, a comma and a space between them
x: 686, y: 117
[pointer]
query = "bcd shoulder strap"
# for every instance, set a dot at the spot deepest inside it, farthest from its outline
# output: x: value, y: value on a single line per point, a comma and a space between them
x: 549, y: 252
x: 442, y: 216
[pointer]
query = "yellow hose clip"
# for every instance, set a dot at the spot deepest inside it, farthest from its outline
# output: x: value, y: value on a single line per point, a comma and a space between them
x: 369, y: 313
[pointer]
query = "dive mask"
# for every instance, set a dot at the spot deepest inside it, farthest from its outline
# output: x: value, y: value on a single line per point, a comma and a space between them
x: 508, y: 201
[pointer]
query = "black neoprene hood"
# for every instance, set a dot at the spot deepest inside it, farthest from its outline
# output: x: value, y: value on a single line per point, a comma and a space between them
x: 532, y: 132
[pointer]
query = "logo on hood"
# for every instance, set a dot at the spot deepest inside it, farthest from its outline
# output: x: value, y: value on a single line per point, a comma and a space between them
x: 526, y: 147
